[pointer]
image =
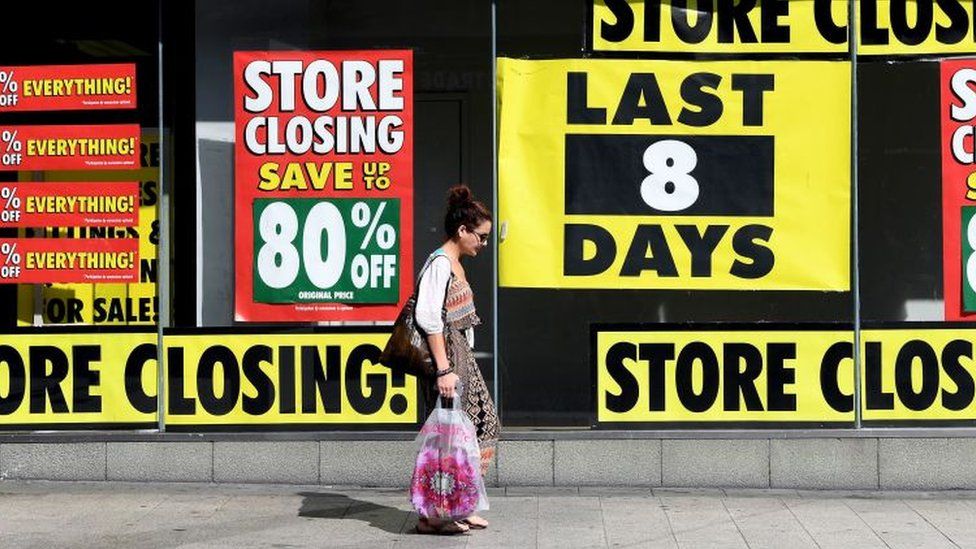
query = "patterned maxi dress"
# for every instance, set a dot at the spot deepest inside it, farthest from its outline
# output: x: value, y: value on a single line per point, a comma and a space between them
x: 477, y: 403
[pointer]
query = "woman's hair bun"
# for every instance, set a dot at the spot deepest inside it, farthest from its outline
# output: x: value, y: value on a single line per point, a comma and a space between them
x: 459, y: 196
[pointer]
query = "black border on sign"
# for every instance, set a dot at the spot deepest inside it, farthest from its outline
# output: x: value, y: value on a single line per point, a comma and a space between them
x: 279, y: 330
x: 211, y: 428
x: 918, y: 423
x: 77, y: 426
x: 81, y: 330
x: 919, y: 325
x: 596, y: 328
x: 588, y: 27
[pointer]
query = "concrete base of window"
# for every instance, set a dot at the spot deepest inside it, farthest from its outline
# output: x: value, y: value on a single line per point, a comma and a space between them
x: 887, y: 460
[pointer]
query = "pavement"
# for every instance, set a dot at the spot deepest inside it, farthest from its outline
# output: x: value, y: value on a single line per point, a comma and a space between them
x: 112, y: 514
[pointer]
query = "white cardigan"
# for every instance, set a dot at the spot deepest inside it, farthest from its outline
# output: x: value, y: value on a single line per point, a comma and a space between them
x: 430, y: 297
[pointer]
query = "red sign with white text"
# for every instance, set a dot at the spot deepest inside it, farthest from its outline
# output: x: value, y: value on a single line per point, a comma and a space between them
x: 88, y: 204
x: 958, y: 114
x: 93, y: 261
x: 82, y: 147
x: 323, y: 191
x: 67, y: 87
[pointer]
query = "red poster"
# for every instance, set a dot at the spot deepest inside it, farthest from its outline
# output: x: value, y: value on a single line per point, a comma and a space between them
x: 958, y: 114
x: 88, y: 204
x: 323, y: 164
x: 96, y: 147
x: 42, y: 260
x: 67, y: 87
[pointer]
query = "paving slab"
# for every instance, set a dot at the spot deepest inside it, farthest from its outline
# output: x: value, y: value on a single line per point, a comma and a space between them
x: 129, y: 514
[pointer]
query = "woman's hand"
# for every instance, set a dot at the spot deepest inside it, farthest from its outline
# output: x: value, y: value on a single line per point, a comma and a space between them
x: 446, y: 384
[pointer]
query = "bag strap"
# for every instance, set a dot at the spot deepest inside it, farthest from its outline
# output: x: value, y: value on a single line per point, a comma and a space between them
x: 439, y: 252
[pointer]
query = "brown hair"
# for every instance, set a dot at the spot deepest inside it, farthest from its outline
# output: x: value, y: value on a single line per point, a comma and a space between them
x: 463, y: 209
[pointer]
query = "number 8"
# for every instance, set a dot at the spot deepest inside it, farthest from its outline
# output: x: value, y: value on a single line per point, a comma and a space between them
x: 278, y: 227
x: 670, y: 162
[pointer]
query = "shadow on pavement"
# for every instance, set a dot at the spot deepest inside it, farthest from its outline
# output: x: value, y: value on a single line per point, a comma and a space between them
x: 341, y: 506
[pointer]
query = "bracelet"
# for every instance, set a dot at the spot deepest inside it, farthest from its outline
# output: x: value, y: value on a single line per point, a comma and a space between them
x: 445, y: 371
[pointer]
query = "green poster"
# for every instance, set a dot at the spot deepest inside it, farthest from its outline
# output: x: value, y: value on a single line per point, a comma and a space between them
x: 336, y: 250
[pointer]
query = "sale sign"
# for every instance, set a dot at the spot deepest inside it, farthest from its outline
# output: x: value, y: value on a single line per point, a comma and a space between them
x: 68, y: 87
x: 88, y: 147
x: 48, y: 260
x: 958, y: 114
x: 323, y: 184
x: 87, y: 204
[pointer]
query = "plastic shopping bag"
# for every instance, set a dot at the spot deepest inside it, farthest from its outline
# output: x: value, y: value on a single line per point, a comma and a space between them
x: 447, y: 481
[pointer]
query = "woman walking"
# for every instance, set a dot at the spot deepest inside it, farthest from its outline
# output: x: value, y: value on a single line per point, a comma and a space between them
x: 445, y: 312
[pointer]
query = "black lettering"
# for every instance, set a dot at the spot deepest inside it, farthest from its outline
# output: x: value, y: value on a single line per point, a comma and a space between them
x: 684, y: 374
x: 738, y: 380
x: 99, y: 314
x: 375, y: 382
x: 652, y: 20
x: 773, y: 32
x: 206, y: 392
x: 624, y: 25
x: 17, y: 375
x: 656, y: 354
x: 577, y: 109
x: 778, y: 376
x: 958, y: 22
x: 744, y: 242
x: 829, y: 384
x: 575, y: 236
x: 47, y: 386
x: 871, y: 33
x: 179, y: 404
x: 963, y: 397
x: 753, y: 86
x: 874, y: 396
x: 905, y: 33
x: 75, y: 307
x: 286, y: 380
x: 326, y: 383
x: 83, y: 378
x: 251, y: 366
x: 660, y: 261
x: 683, y: 29
x: 55, y: 310
x: 701, y: 246
x: 148, y: 193
x: 709, y: 105
x: 734, y: 14
x: 832, y: 32
x: 622, y: 376
x: 147, y: 270
x: 904, y: 364
x: 641, y: 87
x: 134, y: 365
x: 115, y: 312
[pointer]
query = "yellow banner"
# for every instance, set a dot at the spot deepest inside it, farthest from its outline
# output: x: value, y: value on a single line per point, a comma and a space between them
x: 918, y: 375
x: 278, y: 379
x: 754, y: 376
x: 916, y: 27
x: 699, y: 26
x: 79, y: 379
x: 674, y: 175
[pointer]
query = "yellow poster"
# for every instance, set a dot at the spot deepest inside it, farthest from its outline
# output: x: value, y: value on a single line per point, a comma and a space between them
x: 696, y: 374
x: 88, y: 380
x: 622, y: 174
x: 915, y: 27
x: 227, y: 379
x: 924, y: 375
x: 726, y: 27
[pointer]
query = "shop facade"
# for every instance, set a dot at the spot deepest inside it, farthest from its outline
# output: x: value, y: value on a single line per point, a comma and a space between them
x: 732, y: 241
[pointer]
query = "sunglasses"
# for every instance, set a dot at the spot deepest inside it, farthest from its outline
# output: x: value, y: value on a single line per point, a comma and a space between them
x: 483, y: 237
